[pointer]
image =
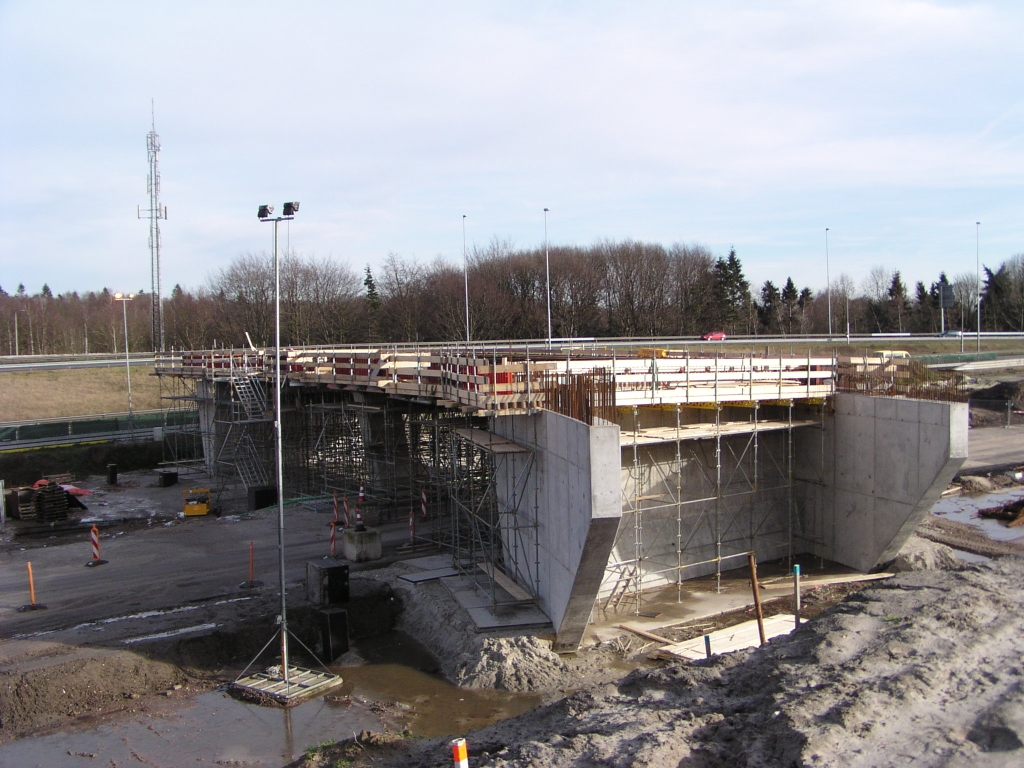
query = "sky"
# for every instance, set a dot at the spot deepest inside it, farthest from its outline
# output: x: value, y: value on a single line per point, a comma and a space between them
x: 757, y: 125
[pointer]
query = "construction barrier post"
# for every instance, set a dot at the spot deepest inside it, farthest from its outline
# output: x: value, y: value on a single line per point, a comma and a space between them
x: 94, y: 538
x: 460, y: 755
x: 251, y: 583
x: 423, y: 504
x: 707, y: 646
x: 796, y: 594
x: 344, y: 512
x: 33, y: 605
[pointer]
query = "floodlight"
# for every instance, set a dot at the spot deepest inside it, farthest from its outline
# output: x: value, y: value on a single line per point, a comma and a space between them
x: 265, y: 211
x: 290, y: 209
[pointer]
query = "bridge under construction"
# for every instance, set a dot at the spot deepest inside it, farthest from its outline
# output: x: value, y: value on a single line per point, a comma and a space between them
x: 578, y: 477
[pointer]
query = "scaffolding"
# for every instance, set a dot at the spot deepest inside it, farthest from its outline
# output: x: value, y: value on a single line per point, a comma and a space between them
x: 182, y: 447
x: 492, y: 504
x: 696, y: 495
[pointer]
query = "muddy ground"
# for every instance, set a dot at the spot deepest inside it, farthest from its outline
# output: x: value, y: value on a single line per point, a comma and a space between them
x: 887, y: 663
x: 922, y: 669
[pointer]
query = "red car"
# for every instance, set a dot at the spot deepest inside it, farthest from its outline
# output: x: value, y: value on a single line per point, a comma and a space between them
x: 713, y: 336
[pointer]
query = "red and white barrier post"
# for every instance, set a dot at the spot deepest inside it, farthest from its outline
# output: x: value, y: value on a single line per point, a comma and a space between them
x: 423, y: 504
x: 94, y: 538
x: 344, y: 512
x: 460, y: 755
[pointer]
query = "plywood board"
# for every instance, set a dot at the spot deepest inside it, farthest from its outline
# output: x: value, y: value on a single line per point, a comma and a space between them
x: 735, y: 638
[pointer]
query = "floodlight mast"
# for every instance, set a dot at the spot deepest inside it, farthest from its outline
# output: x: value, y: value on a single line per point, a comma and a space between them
x: 265, y: 213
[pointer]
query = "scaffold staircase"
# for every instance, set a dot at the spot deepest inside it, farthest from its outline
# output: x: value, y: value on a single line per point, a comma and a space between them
x: 246, y: 459
x: 249, y: 394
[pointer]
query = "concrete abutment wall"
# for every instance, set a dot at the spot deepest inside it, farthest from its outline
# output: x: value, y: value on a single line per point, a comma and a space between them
x: 867, y: 481
x: 576, y: 483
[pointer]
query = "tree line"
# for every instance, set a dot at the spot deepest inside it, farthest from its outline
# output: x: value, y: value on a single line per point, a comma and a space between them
x: 627, y: 288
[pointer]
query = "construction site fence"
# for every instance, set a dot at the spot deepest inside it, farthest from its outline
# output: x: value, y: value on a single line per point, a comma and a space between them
x: 143, y: 426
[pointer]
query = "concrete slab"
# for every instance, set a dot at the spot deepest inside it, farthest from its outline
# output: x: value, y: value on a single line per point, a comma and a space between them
x: 478, y: 606
x: 994, y: 447
x: 439, y: 573
x: 429, y: 563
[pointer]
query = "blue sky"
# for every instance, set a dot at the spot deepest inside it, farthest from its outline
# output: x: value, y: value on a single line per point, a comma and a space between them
x: 897, y: 125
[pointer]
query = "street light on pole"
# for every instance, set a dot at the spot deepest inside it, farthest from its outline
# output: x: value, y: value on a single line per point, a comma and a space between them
x: 977, y: 260
x: 266, y: 213
x: 547, y: 267
x: 124, y: 299
x: 465, y: 273
x: 828, y: 287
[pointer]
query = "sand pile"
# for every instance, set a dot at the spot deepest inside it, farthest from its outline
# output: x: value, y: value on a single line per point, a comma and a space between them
x: 922, y: 669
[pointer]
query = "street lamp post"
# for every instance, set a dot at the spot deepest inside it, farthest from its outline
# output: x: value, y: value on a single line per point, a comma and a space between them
x: 266, y: 214
x: 977, y: 261
x: 465, y: 273
x: 124, y: 299
x: 828, y: 287
x: 547, y: 267
x: 16, y: 348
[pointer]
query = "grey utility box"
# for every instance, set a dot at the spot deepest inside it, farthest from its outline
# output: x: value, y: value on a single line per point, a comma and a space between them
x: 326, y: 582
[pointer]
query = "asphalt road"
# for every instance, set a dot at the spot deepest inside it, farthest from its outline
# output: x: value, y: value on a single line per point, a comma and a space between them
x: 55, y: 364
x: 163, y: 566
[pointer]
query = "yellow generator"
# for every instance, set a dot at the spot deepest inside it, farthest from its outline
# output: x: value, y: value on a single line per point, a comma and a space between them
x: 197, y: 501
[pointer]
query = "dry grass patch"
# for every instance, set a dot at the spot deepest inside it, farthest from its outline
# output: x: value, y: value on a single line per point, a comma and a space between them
x: 29, y: 395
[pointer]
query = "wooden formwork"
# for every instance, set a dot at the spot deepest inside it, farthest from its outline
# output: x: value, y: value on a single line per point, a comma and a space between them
x: 488, y: 383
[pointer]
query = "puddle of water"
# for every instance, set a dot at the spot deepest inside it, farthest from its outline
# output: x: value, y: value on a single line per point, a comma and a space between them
x: 964, y: 509
x: 215, y: 728
x: 210, y: 728
x: 429, y: 706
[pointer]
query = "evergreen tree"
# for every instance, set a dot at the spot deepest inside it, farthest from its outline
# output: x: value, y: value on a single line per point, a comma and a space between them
x: 790, y: 296
x: 732, y: 291
x: 46, y: 293
x: 768, y: 308
x: 897, y: 302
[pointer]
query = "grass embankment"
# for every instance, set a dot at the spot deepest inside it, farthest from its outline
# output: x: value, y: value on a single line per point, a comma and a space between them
x: 31, y: 395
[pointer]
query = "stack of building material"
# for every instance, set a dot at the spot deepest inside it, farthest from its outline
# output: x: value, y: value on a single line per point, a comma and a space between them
x: 50, y: 504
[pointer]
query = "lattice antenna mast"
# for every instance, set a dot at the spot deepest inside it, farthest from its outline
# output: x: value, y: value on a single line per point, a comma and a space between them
x: 155, y: 213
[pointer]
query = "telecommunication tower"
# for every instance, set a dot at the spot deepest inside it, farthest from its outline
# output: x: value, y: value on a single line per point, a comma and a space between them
x: 154, y: 213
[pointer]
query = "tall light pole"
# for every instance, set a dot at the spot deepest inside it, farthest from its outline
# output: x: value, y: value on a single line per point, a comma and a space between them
x: 547, y: 267
x: 266, y: 214
x: 16, y: 353
x: 977, y: 260
x: 465, y: 273
x: 124, y: 299
x: 828, y: 287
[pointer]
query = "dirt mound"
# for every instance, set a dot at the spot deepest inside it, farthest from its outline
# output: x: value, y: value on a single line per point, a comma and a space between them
x: 920, y: 554
x: 1004, y: 390
x: 923, y: 668
x: 35, y: 699
x: 513, y: 664
x: 513, y: 661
